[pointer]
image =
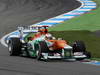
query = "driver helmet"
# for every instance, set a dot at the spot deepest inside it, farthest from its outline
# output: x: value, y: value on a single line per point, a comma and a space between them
x: 49, y: 36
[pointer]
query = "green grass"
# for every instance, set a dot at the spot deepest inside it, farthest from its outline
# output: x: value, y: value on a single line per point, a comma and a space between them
x: 98, y: 59
x: 92, y: 42
x: 89, y: 21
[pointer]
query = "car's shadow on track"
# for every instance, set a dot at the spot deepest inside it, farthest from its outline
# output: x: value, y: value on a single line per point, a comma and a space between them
x: 51, y: 60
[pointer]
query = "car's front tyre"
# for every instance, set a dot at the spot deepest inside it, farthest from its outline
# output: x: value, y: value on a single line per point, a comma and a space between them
x: 41, y: 47
x: 14, y: 46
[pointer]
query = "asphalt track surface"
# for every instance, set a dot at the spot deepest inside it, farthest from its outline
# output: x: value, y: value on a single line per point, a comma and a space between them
x: 25, y: 12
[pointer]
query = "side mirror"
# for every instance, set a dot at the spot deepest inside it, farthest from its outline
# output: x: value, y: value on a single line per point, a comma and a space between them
x: 60, y: 38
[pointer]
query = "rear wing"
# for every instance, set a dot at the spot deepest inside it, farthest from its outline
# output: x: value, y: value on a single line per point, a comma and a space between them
x: 39, y: 26
x: 33, y: 28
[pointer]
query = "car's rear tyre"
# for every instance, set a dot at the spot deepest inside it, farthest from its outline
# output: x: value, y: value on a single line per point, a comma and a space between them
x: 41, y: 48
x: 14, y: 46
x: 79, y: 46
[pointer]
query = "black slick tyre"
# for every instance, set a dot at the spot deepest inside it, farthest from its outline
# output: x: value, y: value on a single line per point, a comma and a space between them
x: 14, y: 46
x: 79, y: 46
x: 42, y: 47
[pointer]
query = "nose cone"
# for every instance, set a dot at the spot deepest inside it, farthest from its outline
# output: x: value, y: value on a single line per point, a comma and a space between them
x: 60, y: 44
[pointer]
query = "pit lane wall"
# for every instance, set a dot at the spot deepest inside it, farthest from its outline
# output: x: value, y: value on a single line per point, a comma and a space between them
x: 86, y: 6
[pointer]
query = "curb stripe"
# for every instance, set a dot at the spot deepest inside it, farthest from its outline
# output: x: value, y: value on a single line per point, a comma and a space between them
x: 54, y: 21
x: 97, y: 63
x: 89, y: 2
x: 59, y: 19
x: 80, y: 11
x: 89, y: 5
x: 46, y: 23
x: 88, y: 8
x: 70, y: 15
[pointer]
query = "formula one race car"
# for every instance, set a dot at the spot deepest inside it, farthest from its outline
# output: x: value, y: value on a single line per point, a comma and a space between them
x: 37, y: 42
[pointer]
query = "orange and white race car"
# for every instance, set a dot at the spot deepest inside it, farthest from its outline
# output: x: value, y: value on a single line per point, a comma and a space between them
x: 42, y: 45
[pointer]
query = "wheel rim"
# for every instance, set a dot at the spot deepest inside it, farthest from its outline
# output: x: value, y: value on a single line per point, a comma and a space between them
x: 37, y: 49
x: 9, y: 48
x: 37, y: 52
